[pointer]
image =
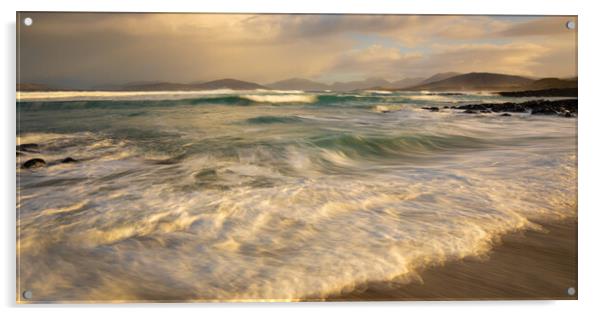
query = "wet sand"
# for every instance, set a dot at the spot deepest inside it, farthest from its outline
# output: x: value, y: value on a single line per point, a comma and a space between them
x: 525, y: 265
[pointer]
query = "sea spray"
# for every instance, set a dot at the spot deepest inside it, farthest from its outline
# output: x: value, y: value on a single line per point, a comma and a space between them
x: 210, y: 199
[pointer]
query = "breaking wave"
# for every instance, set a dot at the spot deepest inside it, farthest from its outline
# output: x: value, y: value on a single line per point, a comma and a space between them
x: 290, y: 98
x: 133, y: 95
x: 271, y: 202
x: 268, y: 119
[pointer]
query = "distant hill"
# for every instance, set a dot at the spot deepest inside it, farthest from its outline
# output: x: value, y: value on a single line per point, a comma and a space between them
x: 552, y: 83
x: 233, y: 84
x: 127, y: 86
x: 170, y: 86
x: 448, y: 81
x: 546, y: 87
x: 298, y: 84
x: 36, y: 87
x: 411, y: 82
x: 438, y: 77
x: 476, y: 81
x: 151, y: 86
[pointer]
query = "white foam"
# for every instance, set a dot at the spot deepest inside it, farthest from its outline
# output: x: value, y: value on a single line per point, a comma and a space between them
x: 133, y: 95
x: 250, y: 243
x: 384, y: 108
x: 379, y: 91
x: 287, y: 98
x: 428, y: 97
x: 39, y: 137
x: 310, y: 229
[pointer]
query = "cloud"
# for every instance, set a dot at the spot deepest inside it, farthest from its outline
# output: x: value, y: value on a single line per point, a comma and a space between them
x: 85, y: 49
x: 519, y: 58
x: 548, y: 26
x: 97, y: 49
x: 513, y: 58
x: 407, y: 29
x: 376, y: 60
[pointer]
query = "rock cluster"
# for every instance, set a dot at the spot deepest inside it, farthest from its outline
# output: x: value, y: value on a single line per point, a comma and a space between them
x: 565, y: 108
x: 35, y: 163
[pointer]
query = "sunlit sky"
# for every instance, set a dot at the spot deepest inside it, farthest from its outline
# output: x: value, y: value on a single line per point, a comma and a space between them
x: 87, y: 49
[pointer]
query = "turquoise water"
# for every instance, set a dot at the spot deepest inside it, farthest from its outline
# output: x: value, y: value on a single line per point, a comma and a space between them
x: 272, y: 195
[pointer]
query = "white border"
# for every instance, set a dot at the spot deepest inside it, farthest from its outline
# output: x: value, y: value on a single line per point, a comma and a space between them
x: 590, y: 133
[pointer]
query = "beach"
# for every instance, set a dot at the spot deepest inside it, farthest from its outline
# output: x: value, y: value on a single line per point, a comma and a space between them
x: 524, y: 265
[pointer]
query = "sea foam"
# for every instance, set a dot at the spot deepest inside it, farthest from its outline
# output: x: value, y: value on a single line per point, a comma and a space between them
x: 282, y: 203
x: 288, y: 98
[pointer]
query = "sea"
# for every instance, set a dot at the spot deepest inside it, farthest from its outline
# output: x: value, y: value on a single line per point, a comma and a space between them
x: 273, y: 195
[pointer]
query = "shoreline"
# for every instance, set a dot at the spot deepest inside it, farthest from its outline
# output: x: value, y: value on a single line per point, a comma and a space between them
x: 524, y: 265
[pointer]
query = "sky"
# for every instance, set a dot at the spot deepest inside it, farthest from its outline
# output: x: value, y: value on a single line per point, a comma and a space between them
x: 83, y: 50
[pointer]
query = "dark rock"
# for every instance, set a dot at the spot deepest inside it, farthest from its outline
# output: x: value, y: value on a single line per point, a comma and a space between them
x: 446, y: 93
x: 33, y: 163
x: 543, y: 111
x: 506, y: 114
x: 485, y: 111
x: 479, y: 107
x: 470, y: 112
x: 432, y: 109
x: 170, y: 161
x: 446, y: 107
x: 68, y: 160
x: 536, y: 107
x: 31, y: 147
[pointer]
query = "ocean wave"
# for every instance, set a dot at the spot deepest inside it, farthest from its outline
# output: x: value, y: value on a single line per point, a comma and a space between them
x: 429, y: 97
x: 133, y: 95
x: 290, y: 98
x: 269, y: 119
x: 125, y: 99
x: 347, y: 100
x: 386, y: 108
x: 424, y: 147
x: 39, y: 137
x: 386, y: 92
x: 239, y: 244
x: 197, y: 204
x: 112, y: 95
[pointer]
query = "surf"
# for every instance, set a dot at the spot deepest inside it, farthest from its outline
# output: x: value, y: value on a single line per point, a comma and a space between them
x: 225, y: 198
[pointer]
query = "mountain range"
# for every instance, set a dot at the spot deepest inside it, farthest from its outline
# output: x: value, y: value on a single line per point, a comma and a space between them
x: 438, y: 77
x: 228, y: 83
x: 36, y: 87
x: 483, y: 81
x: 476, y: 81
x: 449, y: 81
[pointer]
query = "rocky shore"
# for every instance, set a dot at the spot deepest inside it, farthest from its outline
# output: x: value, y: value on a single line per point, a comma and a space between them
x: 564, y: 108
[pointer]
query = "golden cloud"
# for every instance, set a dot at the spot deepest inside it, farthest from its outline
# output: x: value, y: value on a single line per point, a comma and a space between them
x: 94, y: 48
